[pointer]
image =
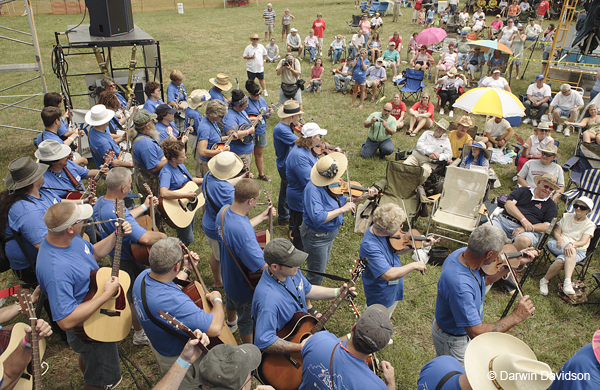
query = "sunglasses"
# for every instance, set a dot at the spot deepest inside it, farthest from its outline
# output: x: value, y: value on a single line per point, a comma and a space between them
x: 544, y: 130
x: 548, y: 154
x: 255, y: 39
x: 425, y: 98
x: 580, y: 207
x: 384, y: 110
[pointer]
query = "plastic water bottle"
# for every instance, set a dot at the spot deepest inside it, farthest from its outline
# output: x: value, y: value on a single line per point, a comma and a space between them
x: 429, y: 75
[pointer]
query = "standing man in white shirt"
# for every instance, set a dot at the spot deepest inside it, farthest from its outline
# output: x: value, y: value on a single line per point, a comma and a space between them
x: 565, y: 103
x: 255, y: 55
x: 538, y: 95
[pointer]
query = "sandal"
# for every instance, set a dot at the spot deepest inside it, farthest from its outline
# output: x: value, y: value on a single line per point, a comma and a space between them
x: 413, y: 134
x: 314, y: 312
x: 264, y: 178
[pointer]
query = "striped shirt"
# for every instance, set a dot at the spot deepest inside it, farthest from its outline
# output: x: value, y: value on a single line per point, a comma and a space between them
x: 269, y: 16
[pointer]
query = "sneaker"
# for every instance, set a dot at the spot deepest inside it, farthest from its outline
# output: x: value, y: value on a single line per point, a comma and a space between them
x: 233, y: 327
x: 266, y: 93
x: 140, y: 339
x: 559, y: 129
x: 567, y: 132
x: 461, y: 68
x: 114, y: 386
x: 441, y: 111
x: 534, y: 122
x: 543, y: 286
x: 451, y: 114
x: 568, y: 287
x: 526, y: 121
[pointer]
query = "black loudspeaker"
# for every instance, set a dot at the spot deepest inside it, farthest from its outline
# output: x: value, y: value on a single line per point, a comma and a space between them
x: 110, y: 17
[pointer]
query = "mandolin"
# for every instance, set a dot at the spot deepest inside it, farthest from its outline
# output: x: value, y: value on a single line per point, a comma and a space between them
x: 284, y: 372
x: 142, y: 252
x: 36, y: 364
x: 179, y: 325
x: 112, y: 321
x: 181, y: 101
x: 221, y: 145
x: 179, y: 213
x: 91, y: 189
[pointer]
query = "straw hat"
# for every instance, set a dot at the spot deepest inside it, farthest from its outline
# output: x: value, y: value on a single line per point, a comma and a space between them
x: 501, y: 361
x: 221, y: 82
x: 552, y: 149
x: 547, y: 177
x: 254, y: 36
x: 225, y: 165
x: 289, y: 108
x: 465, y: 121
x: 444, y: 124
x: 98, y: 115
x: 328, y: 169
x: 452, y: 71
x: 197, y: 98
x: 22, y: 172
x: 52, y: 150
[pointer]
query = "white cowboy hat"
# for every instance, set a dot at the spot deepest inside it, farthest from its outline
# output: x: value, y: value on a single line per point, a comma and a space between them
x: 98, y: 115
x: 197, y: 98
x: 225, y: 165
x: 52, y: 150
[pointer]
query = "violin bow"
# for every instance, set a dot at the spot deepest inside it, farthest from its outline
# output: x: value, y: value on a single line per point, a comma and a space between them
x: 411, y: 235
x: 348, y: 178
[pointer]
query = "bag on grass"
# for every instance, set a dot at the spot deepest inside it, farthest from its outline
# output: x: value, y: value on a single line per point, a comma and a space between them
x: 364, y: 216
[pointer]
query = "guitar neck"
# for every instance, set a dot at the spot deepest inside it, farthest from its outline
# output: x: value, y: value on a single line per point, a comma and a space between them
x: 181, y: 326
x: 118, y: 245
x: 336, y: 303
x: 36, y: 364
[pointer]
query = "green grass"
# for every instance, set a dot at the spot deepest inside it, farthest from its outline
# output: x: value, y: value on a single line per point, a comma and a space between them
x: 202, y: 42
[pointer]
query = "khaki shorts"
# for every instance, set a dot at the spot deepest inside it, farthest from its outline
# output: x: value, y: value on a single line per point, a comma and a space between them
x: 371, y: 82
x: 285, y: 29
x: 201, y: 167
x: 269, y: 28
x: 214, y: 246
x: 387, y: 64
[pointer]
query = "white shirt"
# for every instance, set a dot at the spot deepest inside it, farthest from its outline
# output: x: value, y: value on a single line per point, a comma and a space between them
x: 524, y: 6
x: 376, y: 21
x: 535, y: 167
x: 506, y: 34
x: 491, y: 83
x: 428, y: 144
x: 536, y: 144
x: 476, y: 16
x: 533, y: 31
x: 312, y: 42
x: 358, y: 41
x: 567, y: 102
x: 293, y: 40
x: 450, y: 58
x: 256, y: 64
x: 538, y: 94
x: 496, y: 130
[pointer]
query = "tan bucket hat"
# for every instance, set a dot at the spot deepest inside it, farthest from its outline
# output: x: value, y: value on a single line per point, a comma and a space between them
x: 221, y: 82
x: 552, y: 149
x: 225, y: 165
x: 328, y: 169
x: 465, y: 121
x: 197, y: 98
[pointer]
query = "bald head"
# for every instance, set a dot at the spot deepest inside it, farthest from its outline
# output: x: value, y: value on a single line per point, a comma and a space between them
x: 387, y: 110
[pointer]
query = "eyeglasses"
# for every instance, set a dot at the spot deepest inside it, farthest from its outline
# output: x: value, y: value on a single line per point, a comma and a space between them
x: 580, y: 207
x: 548, y: 154
x: 425, y: 98
x: 112, y: 85
x: 384, y: 110
x: 546, y: 186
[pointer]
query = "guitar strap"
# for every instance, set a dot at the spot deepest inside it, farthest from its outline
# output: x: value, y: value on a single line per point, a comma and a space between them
x: 227, y: 246
x: 205, y: 192
x: 77, y: 185
x: 331, y: 367
x: 445, y: 379
x: 184, y: 173
x: 17, y: 237
x: 154, y: 320
x: 107, y: 228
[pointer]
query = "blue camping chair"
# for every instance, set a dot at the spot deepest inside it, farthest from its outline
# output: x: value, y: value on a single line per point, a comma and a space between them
x: 587, y: 156
x: 383, y: 7
x: 374, y: 8
x: 412, y: 84
x: 364, y: 6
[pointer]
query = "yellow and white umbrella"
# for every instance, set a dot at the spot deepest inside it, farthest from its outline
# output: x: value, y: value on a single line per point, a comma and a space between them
x: 490, y: 101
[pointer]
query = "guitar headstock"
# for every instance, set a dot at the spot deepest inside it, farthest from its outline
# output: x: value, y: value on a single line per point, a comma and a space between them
x: 361, y: 266
x: 268, y: 197
x: 26, y: 304
x: 109, y: 156
x: 175, y: 323
x: 120, y: 213
x: 147, y: 187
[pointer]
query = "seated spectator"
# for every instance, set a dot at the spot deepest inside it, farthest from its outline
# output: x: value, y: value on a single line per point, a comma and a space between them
x: 376, y: 76
x: 479, y: 25
x: 532, y: 31
x: 421, y: 115
x: 474, y: 62
x: 459, y: 137
x: 478, y: 14
x: 272, y: 51
x: 422, y: 59
x: 343, y: 74
x: 476, y: 157
x: 391, y: 59
x: 525, y: 6
x: 497, y: 60
x: 397, y: 39
x: 431, y: 146
x: 540, y: 139
x: 293, y: 42
x: 462, y: 48
x: 357, y: 43
x: 591, y: 125
x: 316, y: 77
x: 447, y: 61
x: 538, y: 95
x: 376, y: 22
x: 513, y: 10
x: 463, y: 17
x: 496, y: 81
x: 503, y: 7
x: 498, y: 133
x: 398, y: 110
x: 571, y: 239
x: 311, y: 43
x: 374, y: 45
x: 565, y: 103
x: 449, y: 90
x: 381, y: 127
x: 541, y: 166
x: 337, y: 47
x: 495, y: 27
x: 412, y: 45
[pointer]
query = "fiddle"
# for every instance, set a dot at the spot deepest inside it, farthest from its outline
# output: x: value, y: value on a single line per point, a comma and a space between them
x: 297, y: 127
x: 402, y: 242
x: 340, y: 187
x: 324, y: 149
x: 508, y: 255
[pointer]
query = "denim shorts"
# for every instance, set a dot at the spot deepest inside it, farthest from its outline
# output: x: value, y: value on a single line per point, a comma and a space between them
x: 566, y: 113
x: 260, y: 141
x: 101, y: 361
x: 558, y: 252
x: 244, y: 312
x: 509, y: 226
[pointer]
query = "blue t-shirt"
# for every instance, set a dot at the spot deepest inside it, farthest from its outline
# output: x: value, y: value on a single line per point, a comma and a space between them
x: 64, y: 274
x: 583, y: 362
x: 150, y: 105
x: 46, y: 135
x: 221, y: 193
x: 61, y: 180
x: 317, y: 203
x: 147, y: 152
x: 273, y: 306
x: 460, y: 296
x: 349, y: 371
x: 209, y: 131
x: 105, y: 210
x: 27, y: 217
x: 254, y: 107
x: 297, y: 169
x: 100, y: 143
x: 214, y: 94
x: 283, y: 141
x: 64, y: 127
x: 358, y: 73
x: 162, y: 129
x: 173, y: 93
x: 430, y: 14
x: 173, y: 178
x: 196, y: 116
x: 241, y: 239
x: 381, y: 259
x: 122, y: 100
x: 239, y: 118
x: 433, y: 372
x: 167, y: 297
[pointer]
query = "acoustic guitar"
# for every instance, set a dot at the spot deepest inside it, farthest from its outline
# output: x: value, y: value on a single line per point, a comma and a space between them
x: 36, y: 363
x: 197, y: 291
x: 91, y: 189
x: 112, y: 321
x: 139, y: 251
x: 11, y: 336
x: 179, y: 213
x: 284, y: 372
x: 179, y: 325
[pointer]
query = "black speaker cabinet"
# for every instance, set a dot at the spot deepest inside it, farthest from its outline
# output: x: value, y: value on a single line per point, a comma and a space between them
x: 110, y: 17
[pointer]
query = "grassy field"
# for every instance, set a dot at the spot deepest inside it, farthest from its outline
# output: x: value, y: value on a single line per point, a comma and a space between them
x: 203, y: 42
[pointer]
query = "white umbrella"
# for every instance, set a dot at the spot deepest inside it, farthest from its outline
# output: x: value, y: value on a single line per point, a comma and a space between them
x: 490, y: 101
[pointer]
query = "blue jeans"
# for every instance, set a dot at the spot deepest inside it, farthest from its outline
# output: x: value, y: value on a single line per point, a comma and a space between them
x: 369, y: 148
x: 318, y: 246
x: 447, y: 344
x: 352, y: 51
x: 509, y: 226
x: 366, y: 40
x: 312, y: 51
x: 338, y: 78
x: 337, y: 55
x: 283, y: 212
x: 462, y: 57
x: 186, y: 234
x: 558, y: 252
x: 314, y: 85
x: 452, y: 9
x: 101, y: 361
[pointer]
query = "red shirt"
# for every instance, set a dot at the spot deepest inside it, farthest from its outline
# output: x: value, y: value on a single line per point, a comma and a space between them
x: 319, y: 27
x: 421, y: 110
x: 418, y: 4
x: 398, y: 109
x: 543, y: 7
x: 396, y: 41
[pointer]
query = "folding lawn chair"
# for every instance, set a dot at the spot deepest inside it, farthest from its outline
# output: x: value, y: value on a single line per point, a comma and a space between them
x: 412, y: 84
x: 401, y: 182
x: 374, y: 8
x: 353, y: 24
x: 383, y: 7
x: 587, y: 157
x: 590, y: 187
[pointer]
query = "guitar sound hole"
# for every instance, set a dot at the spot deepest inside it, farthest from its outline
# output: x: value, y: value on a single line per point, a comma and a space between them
x: 304, y: 336
x: 192, y: 205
